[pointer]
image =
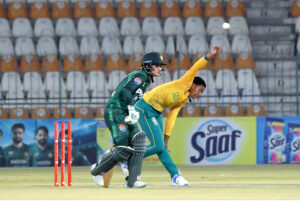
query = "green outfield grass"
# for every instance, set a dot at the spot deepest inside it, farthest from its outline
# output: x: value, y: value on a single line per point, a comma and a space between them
x: 218, y: 182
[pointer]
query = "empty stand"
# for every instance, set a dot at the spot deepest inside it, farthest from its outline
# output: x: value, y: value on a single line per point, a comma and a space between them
x: 225, y: 79
x: 87, y: 27
x: 173, y: 26
x: 256, y: 110
x: 17, y: 9
x: 30, y: 63
x: 22, y: 28
x: 295, y: 11
x: 115, y: 77
x: 72, y: 63
x: 104, y: 8
x: 235, y: 8
x: 251, y: 95
x: 132, y: 45
x: 130, y: 26
x: 2, y: 11
x: 238, y: 25
x: 126, y: 9
x: 134, y: 62
x: 151, y: 26
x: 4, y: 28
x: 177, y: 41
x: 222, y: 41
x: 19, y: 113
x: 100, y: 112
x: 93, y: 62
x: 84, y: 112
x: 241, y: 43
x: 82, y: 9
x: 213, y: 111
x: 246, y: 79
x: 170, y: 8
x: 65, y: 27
x: 223, y: 61
x: 24, y: 46
x: 61, y: 9
x: 43, y: 27
x: 148, y: 8
x: 38, y: 10
x: 192, y: 8
x: 163, y: 78
x: 115, y: 62
x: 41, y: 112
x: 111, y: 45
x: 207, y: 76
x: 45, y: 46
x: 154, y: 44
x: 215, y: 26
x: 6, y: 47
x: 191, y: 111
x: 185, y: 62
x: 194, y: 26
x: 8, y: 63
x: 197, y: 45
x: 108, y: 27
x: 213, y: 8
x: 3, y: 113
x: 245, y: 61
x: 229, y: 95
x: 234, y: 110
x: 89, y: 45
x: 62, y: 112
x: 50, y: 63
x: 68, y: 45
x: 209, y: 96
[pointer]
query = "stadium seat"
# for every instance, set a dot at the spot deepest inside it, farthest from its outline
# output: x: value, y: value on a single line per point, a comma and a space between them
x: 43, y: 27
x: 256, y: 110
x: 115, y: 62
x: 241, y: 43
x: 245, y: 61
x: 251, y: 95
x: 277, y: 68
x: 29, y: 63
x: 33, y: 1
x: 63, y: 113
x: 134, y: 62
x: 213, y: 8
x: 17, y: 10
x: 13, y: 97
x: 209, y: 96
x: 132, y: 45
x: 215, y: 26
x: 87, y: 27
x: 192, y: 8
x: 238, y: 25
x: 229, y: 95
x: 178, y: 74
x: 194, y: 26
x: 36, y: 96
x: 148, y: 8
x: 68, y: 45
x: 38, y: 10
x: 82, y: 9
x: 130, y: 26
x: 72, y: 63
x: 212, y: 111
x: 19, y: 112
x: 75, y: 81
x: 126, y: 9
x: 185, y: 62
x: 278, y: 85
x: 84, y: 112
x: 77, y: 87
x: 108, y: 27
x: 221, y: 41
x: 2, y: 11
x: 65, y: 27
x: 22, y: 28
x: 55, y: 87
x: 93, y: 62
x: 61, y: 9
x: 24, y: 46
x: 154, y: 44
x: 50, y: 63
x: 111, y: 45
x: 151, y: 26
x: 234, y: 110
x: 6, y: 47
x: 246, y: 78
x: 170, y: 8
x: 115, y: 77
x: 104, y: 8
x: 99, y: 96
x: 235, y: 8
x: 163, y: 78
x: 295, y: 11
x: 190, y: 110
x: 207, y: 76
x: 180, y: 45
x: 100, y: 111
x: 223, y: 61
x: 46, y: 45
x: 89, y: 45
x: 11, y: 81
x: 4, y: 28
x: 8, y: 63
x: 173, y: 26
x: 41, y: 112
x: 96, y: 80
x: 225, y: 79
x: 3, y: 113
x: 32, y: 80
x: 197, y: 45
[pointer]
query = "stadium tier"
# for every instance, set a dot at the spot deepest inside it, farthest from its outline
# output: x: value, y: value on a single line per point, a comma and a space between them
x: 68, y: 56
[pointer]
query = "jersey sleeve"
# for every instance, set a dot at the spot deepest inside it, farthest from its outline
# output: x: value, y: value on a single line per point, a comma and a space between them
x: 192, y: 72
x: 128, y: 91
x: 172, y: 118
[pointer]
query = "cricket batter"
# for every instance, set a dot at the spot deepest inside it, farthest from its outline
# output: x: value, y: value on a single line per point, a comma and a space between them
x: 121, y: 118
x: 171, y: 95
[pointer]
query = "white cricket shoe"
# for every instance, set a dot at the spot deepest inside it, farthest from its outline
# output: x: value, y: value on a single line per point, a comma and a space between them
x: 137, y: 184
x: 98, y: 180
x: 178, y: 180
x: 124, y: 167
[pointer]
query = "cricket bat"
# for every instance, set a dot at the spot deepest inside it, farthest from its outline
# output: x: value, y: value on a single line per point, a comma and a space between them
x: 107, y: 177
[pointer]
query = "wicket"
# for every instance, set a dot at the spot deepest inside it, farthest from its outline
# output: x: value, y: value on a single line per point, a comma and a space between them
x: 62, y: 164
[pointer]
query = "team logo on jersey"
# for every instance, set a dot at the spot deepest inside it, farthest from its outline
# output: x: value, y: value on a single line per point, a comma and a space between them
x: 137, y: 80
x: 122, y: 128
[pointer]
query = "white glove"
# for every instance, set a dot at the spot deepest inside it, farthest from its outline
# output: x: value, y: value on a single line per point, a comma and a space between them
x: 133, y: 115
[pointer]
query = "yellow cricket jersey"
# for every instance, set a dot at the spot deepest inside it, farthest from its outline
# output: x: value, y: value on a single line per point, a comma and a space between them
x: 174, y: 94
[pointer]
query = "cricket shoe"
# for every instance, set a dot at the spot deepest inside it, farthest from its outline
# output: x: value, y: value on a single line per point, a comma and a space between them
x: 98, y: 180
x: 137, y: 184
x: 178, y: 180
x: 124, y: 167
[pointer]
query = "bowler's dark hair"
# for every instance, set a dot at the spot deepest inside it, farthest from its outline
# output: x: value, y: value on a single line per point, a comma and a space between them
x: 43, y: 128
x: 199, y: 81
x: 18, y: 125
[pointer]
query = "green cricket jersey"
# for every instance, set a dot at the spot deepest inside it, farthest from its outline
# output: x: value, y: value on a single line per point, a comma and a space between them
x: 17, y: 157
x: 41, y: 157
x: 130, y: 90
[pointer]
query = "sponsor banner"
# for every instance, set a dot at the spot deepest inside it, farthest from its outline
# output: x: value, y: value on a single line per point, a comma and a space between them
x: 214, y: 141
x: 34, y: 134
x: 278, y: 140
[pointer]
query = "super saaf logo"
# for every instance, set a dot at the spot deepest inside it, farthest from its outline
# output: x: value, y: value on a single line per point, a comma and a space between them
x: 214, y: 142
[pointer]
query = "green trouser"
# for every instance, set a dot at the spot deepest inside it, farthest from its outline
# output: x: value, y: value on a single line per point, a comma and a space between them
x: 152, y: 124
x: 121, y: 131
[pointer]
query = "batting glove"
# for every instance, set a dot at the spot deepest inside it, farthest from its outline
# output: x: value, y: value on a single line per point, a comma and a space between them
x: 133, y: 115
